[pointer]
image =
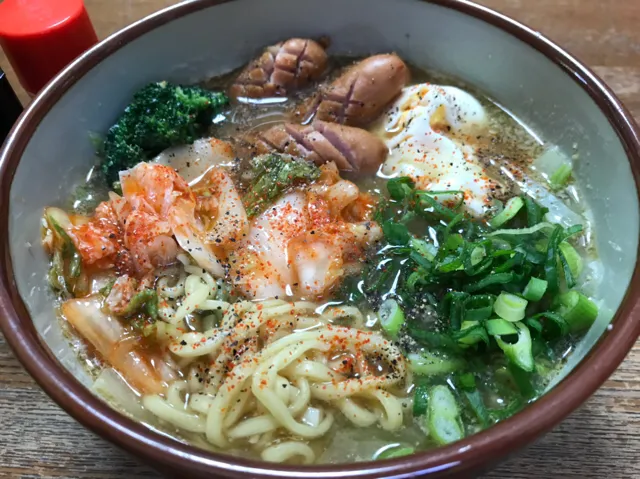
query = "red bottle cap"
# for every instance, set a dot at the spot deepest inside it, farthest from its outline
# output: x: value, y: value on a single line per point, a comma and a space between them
x: 41, y: 37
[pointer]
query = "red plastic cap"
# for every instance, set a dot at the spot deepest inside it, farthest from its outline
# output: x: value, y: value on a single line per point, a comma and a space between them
x: 41, y: 37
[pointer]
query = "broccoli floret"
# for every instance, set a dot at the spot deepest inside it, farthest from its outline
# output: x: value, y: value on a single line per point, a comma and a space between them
x: 272, y: 175
x: 160, y: 115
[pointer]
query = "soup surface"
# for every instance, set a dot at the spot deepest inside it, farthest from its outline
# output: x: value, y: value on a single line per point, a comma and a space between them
x: 320, y: 260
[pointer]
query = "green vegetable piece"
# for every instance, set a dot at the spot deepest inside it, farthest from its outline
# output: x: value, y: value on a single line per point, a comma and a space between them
x: 520, y: 353
x: 490, y: 280
x: 500, y: 327
x: 396, y: 233
x: 467, y: 381
x: 391, y: 317
x: 66, y: 264
x: 578, y: 310
x: 429, y: 364
x: 453, y: 307
x: 538, y: 228
x: 431, y: 339
x: 561, y: 325
x: 510, y: 307
x: 535, y: 289
x: 477, y: 405
x: 420, y: 400
x: 160, y: 115
x: 551, y: 262
x: 561, y: 177
x: 523, y: 381
x: 443, y: 417
x: 424, y: 249
x: 106, y: 289
x: 428, y: 205
x: 513, y: 206
x: 56, y: 274
x: 273, y: 175
x: 535, y: 213
x: 479, y: 307
x: 395, y: 451
x: 400, y: 188
x: 572, y: 258
x: 471, y: 332
x: 147, y: 298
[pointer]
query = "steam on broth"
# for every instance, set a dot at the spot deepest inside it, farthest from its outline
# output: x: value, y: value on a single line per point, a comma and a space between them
x: 321, y: 260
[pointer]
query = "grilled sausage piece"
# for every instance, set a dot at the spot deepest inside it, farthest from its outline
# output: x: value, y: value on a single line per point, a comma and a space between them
x: 352, y: 149
x: 281, y: 69
x: 358, y: 96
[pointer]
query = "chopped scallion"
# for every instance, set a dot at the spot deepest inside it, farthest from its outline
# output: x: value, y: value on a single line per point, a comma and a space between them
x: 397, y: 451
x: 429, y: 364
x: 511, y: 209
x: 510, y: 307
x: 578, y: 310
x: 500, y: 327
x: 420, y: 400
x: 572, y: 257
x: 535, y: 289
x: 391, y: 317
x: 443, y: 417
x: 520, y: 352
x: 560, y: 178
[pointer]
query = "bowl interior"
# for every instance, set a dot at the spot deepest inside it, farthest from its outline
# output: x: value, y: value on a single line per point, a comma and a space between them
x: 217, y: 39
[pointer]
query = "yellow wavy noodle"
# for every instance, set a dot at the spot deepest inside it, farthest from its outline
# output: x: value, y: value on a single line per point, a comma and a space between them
x: 263, y: 378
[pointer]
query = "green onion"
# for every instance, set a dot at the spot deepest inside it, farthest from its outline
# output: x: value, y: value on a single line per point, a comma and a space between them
x: 67, y: 266
x: 452, y: 307
x: 395, y: 451
x: 427, y: 204
x: 106, y: 289
x: 535, y: 289
x: 520, y: 352
x: 572, y: 258
x: 420, y: 400
x: 431, y: 339
x: 561, y: 324
x: 561, y: 176
x: 551, y: 262
x: 147, y: 298
x: 479, y: 307
x: 476, y: 403
x: 490, y: 280
x: 396, y: 233
x: 535, y: 324
x: 400, y: 188
x: 429, y: 364
x: 391, y: 317
x: 535, y: 213
x: 467, y: 381
x: 500, y: 327
x: 425, y: 249
x: 513, y: 206
x: 522, y: 379
x: 522, y: 231
x: 510, y: 307
x: 471, y: 332
x: 443, y: 417
x: 578, y: 310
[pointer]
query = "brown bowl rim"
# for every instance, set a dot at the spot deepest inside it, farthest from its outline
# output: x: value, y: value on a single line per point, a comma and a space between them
x: 163, y: 452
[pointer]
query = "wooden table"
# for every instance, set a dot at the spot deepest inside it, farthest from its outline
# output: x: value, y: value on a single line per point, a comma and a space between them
x: 602, y: 439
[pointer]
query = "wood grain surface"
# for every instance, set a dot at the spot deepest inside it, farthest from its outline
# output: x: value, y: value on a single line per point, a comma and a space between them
x: 602, y: 439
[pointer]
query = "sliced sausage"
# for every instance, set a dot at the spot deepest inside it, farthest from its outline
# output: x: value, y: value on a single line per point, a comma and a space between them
x: 281, y: 69
x: 352, y: 149
x: 359, y: 95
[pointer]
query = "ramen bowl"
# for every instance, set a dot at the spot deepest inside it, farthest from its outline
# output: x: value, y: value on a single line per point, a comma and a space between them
x: 560, y: 99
